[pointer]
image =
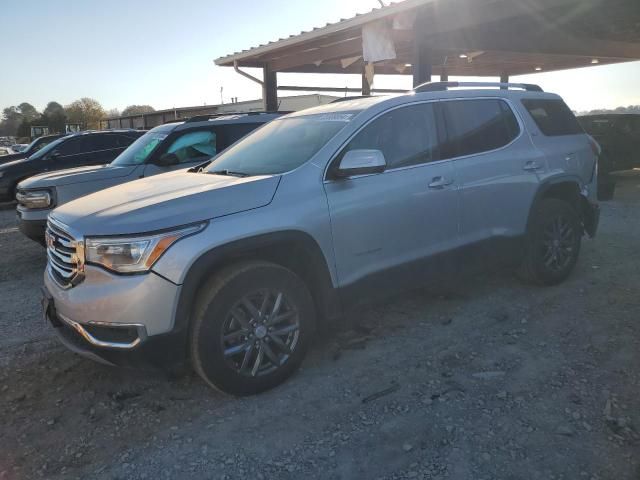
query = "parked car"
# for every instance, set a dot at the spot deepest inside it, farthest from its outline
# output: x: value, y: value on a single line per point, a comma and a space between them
x: 619, y: 137
x: 234, y: 265
x: 33, y: 147
x: 4, y: 151
x: 86, y: 148
x: 165, y: 148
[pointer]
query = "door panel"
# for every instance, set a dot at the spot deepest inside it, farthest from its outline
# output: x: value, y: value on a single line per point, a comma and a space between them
x: 498, y: 168
x: 386, y: 225
x: 394, y: 219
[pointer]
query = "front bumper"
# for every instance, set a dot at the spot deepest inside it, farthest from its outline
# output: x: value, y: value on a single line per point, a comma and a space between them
x: 117, y: 319
x: 33, y: 229
x: 160, y: 351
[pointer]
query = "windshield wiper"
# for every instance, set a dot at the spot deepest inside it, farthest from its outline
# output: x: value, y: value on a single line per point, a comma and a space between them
x: 228, y: 173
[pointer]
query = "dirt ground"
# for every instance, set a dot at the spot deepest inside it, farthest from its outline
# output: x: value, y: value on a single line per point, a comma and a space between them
x: 490, y: 379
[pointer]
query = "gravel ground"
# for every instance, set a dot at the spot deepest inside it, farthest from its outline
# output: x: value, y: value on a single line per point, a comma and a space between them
x: 489, y: 379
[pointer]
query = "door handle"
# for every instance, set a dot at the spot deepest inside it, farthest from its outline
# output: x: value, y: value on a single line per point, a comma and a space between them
x: 531, y: 166
x: 438, y: 183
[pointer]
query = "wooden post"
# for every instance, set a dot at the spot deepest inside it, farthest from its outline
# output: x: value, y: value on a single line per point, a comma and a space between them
x: 270, y: 90
x: 504, y: 78
x: 366, y: 88
x: 422, y: 55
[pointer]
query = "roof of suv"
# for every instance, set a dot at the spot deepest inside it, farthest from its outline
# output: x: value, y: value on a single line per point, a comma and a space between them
x: 439, y: 91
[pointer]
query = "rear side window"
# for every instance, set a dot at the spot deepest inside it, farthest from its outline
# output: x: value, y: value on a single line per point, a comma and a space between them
x: 553, y: 117
x: 406, y: 136
x: 72, y: 146
x: 230, y: 134
x: 122, y: 141
x: 102, y: 142
x: 477, y: 126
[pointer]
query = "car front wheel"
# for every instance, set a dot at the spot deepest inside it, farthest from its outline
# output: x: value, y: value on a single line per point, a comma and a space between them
x: 252, y: 327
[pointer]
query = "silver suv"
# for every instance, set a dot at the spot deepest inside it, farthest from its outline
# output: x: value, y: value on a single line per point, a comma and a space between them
x: 234, y: 265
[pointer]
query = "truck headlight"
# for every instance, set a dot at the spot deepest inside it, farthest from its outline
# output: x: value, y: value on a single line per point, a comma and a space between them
x: 34, y: 199
x: 134, y: 254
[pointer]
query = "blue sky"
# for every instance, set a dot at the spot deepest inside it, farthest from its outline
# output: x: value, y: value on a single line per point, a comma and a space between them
x: 161, y: 52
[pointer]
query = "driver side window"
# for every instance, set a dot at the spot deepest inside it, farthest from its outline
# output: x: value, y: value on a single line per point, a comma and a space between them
x: 194, y: 146
x: 406, y: 136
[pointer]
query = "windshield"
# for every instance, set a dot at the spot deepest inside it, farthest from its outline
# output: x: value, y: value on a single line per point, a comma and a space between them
x: 280, y: 146
x: 48, y: 148
x: 139, y: 151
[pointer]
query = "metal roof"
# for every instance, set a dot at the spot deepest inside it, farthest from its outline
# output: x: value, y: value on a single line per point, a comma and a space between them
x: 344, y: 24
x: 468, y: 37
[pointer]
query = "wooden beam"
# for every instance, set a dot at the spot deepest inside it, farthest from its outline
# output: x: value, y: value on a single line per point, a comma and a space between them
x: 298, y: 88
x: 518, y: 38
x: 350, y: 48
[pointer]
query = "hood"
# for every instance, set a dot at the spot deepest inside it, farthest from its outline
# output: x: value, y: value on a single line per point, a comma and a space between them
x: 165, y: 201
x: 77, y: 175
x: 12, y: 157
x: 8, y: 165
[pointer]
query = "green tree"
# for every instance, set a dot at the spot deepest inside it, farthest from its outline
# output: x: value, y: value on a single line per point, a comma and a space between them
x: 55, y: 117
x: 137, y: 110
x: 86, y: 111
x: 28, y: 111
x: 11, y: 119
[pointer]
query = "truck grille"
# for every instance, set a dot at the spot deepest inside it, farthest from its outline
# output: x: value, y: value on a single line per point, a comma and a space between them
x: 65, y: 255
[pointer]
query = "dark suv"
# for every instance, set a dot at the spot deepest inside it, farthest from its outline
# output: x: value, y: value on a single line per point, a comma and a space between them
x: 80, y: 149
x: 619, y: 137
x: 38, y: 144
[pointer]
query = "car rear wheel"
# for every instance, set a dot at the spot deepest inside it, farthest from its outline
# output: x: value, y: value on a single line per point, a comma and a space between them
x: 252, y: 327
x: 552, y: 244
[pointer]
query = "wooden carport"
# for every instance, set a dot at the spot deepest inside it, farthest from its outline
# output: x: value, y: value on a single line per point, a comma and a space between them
x: 499, y: 38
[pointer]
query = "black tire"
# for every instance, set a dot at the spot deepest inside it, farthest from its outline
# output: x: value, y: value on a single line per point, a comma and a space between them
x: 550, y: 261
x: 211, y: 333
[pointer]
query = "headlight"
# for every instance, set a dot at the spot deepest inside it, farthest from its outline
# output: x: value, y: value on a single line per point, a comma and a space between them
x: 134, y: 254
x: 34, y: 199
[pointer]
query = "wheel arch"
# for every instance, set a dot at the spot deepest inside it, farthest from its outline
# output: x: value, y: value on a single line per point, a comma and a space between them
x: 293, y: 249
x: 566, y: 188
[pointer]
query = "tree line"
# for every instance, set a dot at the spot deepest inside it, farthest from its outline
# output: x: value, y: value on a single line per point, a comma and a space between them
x: 88, y: 113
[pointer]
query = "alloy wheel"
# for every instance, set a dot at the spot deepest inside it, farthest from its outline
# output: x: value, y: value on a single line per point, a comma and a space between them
x: 260, y: 333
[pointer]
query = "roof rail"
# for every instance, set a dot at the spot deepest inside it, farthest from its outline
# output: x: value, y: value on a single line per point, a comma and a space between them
x: 443, y: 86
x: 202, y: 118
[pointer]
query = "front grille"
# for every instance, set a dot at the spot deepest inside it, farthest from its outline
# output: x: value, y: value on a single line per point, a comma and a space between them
x: 65, y: 255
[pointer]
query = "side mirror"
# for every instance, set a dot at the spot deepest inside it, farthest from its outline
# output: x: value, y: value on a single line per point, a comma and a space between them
x: 361, y: 162
x: 167, y: 160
